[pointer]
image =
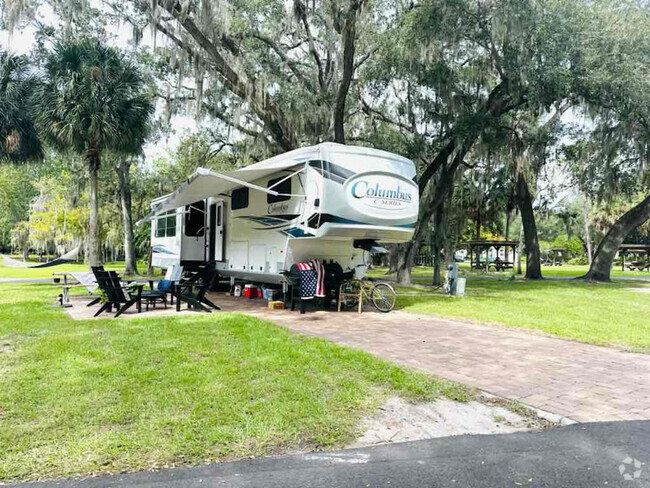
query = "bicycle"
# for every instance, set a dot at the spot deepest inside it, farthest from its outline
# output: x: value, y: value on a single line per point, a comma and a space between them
x: 355, y: 293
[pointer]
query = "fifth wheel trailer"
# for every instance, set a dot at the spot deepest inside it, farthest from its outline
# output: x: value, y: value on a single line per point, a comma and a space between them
x: 329, y: 202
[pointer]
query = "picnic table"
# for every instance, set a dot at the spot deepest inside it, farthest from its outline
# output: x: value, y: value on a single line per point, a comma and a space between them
x: 635, y: 251
x: 68, y: 280
x: 555, y: 257
x: 502, y: 265
x: 66, y: 276
x: 478, y: 247
x: 638, y: 266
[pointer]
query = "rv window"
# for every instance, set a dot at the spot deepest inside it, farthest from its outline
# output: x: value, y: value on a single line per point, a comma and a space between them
x: 239, y: 198
x: 195, y: 219
x: 166, y: 224
x: 284, y: 187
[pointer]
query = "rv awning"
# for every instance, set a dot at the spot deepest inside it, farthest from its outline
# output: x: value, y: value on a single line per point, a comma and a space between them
x: 204, y: 183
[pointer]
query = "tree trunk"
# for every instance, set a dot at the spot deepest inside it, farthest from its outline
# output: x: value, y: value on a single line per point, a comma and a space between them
x: 436, y: 245
x: 130, y: 264
x: 525, y: 204
x: 499, y: 102
x: 451, y: 238
x: 520, y: 248
x: 428, y: 206
x: 601, y: 265
x: 393, y: 250
x: 404, y: 263
x: 348, y: 38
x: 92, y: 158
x: 585, y: 217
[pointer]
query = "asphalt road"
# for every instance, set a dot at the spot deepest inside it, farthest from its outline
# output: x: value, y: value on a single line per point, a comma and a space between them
x: 580, y: 455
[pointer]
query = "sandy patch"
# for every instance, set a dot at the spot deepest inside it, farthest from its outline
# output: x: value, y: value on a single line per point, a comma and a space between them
x: 6, y: 346
x: 398, y: 421
x: 641, y: 290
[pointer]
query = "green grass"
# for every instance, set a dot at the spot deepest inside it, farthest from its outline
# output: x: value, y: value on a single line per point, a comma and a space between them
x: 80, y: 397
x: 7, y: 272
x: 424, y: 273
x: 571, y: 270
x: 612, y: 314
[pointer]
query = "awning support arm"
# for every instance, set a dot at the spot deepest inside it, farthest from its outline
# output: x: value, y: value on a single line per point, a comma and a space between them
x: 287, y: 177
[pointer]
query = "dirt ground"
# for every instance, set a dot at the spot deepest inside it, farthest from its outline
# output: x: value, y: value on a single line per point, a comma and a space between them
x: 398, y: 421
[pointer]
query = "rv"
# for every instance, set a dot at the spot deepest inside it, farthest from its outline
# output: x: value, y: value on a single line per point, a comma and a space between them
x: 329, y: 202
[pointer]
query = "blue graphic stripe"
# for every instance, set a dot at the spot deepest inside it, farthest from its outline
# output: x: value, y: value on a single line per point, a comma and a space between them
x: 335, y: 219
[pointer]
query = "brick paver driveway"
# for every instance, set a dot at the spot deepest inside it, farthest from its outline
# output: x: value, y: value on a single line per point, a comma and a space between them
x: 575, y: 380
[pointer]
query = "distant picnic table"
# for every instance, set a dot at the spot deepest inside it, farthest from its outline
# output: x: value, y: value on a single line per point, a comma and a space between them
x: 635, y: 251
x: 478, y: 247
x: 555, y: 256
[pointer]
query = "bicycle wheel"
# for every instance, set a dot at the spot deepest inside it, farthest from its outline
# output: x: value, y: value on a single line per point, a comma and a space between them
x: 383, y: 297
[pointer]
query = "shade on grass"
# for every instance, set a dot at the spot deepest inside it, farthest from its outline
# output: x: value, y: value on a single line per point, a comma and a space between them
x: 106, y: 395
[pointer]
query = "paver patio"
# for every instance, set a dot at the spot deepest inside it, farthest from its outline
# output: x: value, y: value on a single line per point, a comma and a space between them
x: 579, y: 381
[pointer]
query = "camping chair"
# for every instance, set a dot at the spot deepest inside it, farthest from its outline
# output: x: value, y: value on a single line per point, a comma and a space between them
x: 186, y: 291
x: 165, y: 287
x: 111, y: 285
x: 94, y: 270
x: 173, y: 276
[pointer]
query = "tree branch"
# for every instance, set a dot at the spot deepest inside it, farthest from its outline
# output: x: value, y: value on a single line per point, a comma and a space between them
x: 367, y: 109
x: 364, y: 58
x: 246, y: 89
x: 291, y: 64
x: 301, y: 12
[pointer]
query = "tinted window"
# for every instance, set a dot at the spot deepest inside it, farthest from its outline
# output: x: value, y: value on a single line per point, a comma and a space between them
x: 239, y: 198
x: 284, y: 187
x: 195, y: 219
x: 166, y: 224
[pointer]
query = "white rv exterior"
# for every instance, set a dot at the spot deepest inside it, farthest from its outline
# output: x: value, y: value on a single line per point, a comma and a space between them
x: 326, y: 202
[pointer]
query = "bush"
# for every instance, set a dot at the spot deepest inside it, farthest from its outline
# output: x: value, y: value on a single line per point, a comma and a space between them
x: 581, y: 260
x: 573, y: 246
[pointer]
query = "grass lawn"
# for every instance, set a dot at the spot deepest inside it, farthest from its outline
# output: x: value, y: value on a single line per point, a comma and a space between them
x: 425, y: 273
x: 80, y: 397
x: 613, y: 314
x: 7, y: 272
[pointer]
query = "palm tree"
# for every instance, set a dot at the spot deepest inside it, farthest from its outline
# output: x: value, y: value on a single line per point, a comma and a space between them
x: 19, y: 140
x: 92, y: 100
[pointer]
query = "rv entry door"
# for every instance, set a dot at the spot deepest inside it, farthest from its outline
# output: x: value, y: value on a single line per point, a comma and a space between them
x: 217, y: 233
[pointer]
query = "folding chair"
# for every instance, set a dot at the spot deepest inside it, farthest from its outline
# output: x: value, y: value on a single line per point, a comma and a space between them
x: 109, y: 282
x: 186, y: 291
x: 94, y: 270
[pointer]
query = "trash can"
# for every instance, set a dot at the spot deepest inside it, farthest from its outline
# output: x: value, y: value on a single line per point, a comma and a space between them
x: 460, y: 286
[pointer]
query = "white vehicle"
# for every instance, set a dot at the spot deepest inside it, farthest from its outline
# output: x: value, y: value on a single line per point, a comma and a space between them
x: 329, y: 202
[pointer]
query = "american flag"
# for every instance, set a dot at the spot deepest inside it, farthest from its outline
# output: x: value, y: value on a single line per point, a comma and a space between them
x: 312, y: 279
